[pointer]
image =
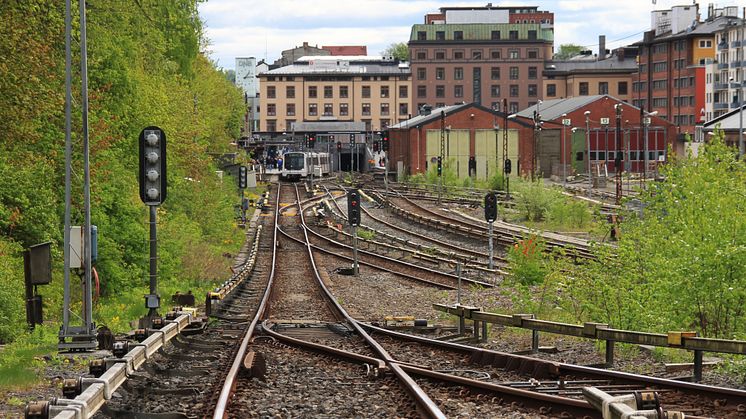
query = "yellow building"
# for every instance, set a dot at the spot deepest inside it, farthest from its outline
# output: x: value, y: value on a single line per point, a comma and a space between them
x: 374, y: 90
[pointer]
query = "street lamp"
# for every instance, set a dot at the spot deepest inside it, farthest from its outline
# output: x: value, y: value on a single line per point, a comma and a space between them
x: 588, y: 147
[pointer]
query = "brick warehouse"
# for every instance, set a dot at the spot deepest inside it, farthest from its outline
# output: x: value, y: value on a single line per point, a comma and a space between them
x: 469, y: 132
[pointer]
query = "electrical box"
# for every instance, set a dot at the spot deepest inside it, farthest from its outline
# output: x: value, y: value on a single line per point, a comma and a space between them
x: 77, y: 243
x: 37, y: 264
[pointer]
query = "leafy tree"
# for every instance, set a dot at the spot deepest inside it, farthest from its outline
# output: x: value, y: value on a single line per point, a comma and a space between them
x: 567, y: 51
x: 398, y: 50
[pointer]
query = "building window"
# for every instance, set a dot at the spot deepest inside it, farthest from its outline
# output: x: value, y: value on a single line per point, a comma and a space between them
x: 403, y: 92
x: 514, y: 54
x: 290, y: 92
x: 476, y: 54
x: 458, y: 55
x: 403, y: 109
x: 661, y: 66
x: 705, y: 43
x: 421, y: 55
x: 271, y: 93
x: 458, y: 73
x: 440, y: 36
x: 328, y: 92
x: 440, y: 104
x: 271, y: 109
x: 603, y: 88
x: 421, y: 35
x: 458, y: 90
x: 514, y: 90
x: 384, y: 91
x: 384, y: 109
x: 495, y: 106
x: 532, y: 35
x: 514, y: 73
x: 385, y: 123
x: 532, y: 90
x: 343, y: 109
x: 421, y: 91
x: 313, y: 109
x: 440, y: 55
x: 495, y: 73
x: 440, y: 91
x: 458, y: 35
x: 440, y: 73
x: 312, y: 93
x: 366, y: 91
x: 328, y: 109
x: 495, y: 90
x: 533, y: 53
x: 343, y: 92
x: 366, y: 108
x: 290, y: 109
x: 271, y: 125
x: 513, y: 35
x: 289, y: 124
x: 421, y: 74
x: 621, y: 88
x: 551, y: 90
x: 495, y: 35
x: 533, y: 72
x: 513, y: 107
x: 495, y: 54
x: 583, y: 87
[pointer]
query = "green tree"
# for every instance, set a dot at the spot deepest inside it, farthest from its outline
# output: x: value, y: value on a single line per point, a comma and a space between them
x: 398, y: 50
x: 567, y: 51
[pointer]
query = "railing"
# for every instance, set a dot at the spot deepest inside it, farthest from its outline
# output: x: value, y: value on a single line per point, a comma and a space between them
x: 722, y: 66
x: 598, y: 331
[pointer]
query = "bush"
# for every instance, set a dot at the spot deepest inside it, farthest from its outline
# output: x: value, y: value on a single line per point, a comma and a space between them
x: 11, y: 293
x: 534, y: 200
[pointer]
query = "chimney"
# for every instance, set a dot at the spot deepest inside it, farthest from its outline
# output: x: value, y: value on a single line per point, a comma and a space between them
x: 601, y: 47
x: 305, y: 44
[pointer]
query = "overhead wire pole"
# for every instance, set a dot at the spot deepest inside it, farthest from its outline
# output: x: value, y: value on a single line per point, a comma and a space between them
x: 618, y: 155
x: 740, y: 89
x: 506, y: 176
x: 588, y: 147
x: 68, y: 164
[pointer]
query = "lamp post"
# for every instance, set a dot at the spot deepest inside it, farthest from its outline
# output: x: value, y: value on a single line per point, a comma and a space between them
x: 565, y: 123
x: 588, y: 146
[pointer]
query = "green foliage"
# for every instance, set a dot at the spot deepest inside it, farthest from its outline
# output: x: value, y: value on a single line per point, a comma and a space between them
x: 567, y: 51
x: 366, y: 234
x: 496, y: 182
x: 398, y: 50
x: 527, y: 263
x: 11, y: 293
x: 534, y: 200
x: 19, y: 361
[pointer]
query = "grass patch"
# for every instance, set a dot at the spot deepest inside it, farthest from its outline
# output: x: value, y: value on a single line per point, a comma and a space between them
x: 20, y: 361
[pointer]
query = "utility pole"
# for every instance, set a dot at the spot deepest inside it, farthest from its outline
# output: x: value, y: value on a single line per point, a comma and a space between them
x: 740, y: 89
x: 506, y: 174
x: 588, y: 147
x: 565, y: 123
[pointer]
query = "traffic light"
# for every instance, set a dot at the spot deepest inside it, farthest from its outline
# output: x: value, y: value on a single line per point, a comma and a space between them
x: 353, y: 207
x: 242, y: 177
x: 508, y: 167
x: 490, y: 207
x: 385, y: 141
x: 311, y: 140
x: 339, y: 146
x: 375, y: 146
x: 152, y: 144
x: 440, y: 166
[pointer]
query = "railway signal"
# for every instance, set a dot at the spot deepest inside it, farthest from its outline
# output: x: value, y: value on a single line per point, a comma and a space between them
x: 507, y: 168
x: 242, y: 177
x: 440, y: 166
x: 385, y: 141
x: 490, y: 214
x: 152, y: 144
x: 339, y: 146
x: 311, y: 140
x: 353, y: 218
x: 375, y: 146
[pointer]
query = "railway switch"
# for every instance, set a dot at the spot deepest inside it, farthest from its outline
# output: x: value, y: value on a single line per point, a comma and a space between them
x: 37, y: 409
x: 152, y: 146
x: 353, y: 207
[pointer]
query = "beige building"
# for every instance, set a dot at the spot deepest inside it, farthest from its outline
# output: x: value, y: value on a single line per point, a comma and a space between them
x: 372, y: 90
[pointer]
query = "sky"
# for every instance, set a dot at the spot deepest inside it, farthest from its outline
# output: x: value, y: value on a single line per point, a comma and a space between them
x: 262, y: 29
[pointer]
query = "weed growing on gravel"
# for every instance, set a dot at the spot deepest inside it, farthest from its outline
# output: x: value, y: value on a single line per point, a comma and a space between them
x: 20, y: 359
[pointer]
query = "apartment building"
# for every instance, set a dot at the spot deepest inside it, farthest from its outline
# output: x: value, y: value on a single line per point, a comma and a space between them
x: 671, y: 77
x: 480, y: 55
x: 587, y: 75
x: 368, y: 89
x: 725, y: 74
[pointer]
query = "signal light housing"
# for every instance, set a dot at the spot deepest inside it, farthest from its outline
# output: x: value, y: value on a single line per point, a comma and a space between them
x: 152, y: 147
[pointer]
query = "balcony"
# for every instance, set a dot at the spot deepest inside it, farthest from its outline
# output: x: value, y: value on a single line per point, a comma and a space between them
x: 723, y: 66
x: 721, y: 86
x: 735, y: 44
x: 722, y: 46
x: 720, y: 105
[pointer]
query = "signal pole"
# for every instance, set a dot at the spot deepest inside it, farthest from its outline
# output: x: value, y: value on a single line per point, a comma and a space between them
x: 442, y: 153
x: 618, y: 155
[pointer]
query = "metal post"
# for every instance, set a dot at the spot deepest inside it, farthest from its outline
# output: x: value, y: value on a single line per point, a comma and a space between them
x: 609, y: 353
x: 243, y: 208
x: 535, y: 146
x: 565, y: 123
x: 740, y: 89
x: 458, y: 273
x: 534, y: 341
x: 618, y: 157
x: 491, y: 264
x: 68, y: 163
x: 442, y: 153
x: 355, y: 266
x: 588, y: 154
x: 310, y: 179
x: 153, y: 259
x: 698, y: 366
x: 88, y: 296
